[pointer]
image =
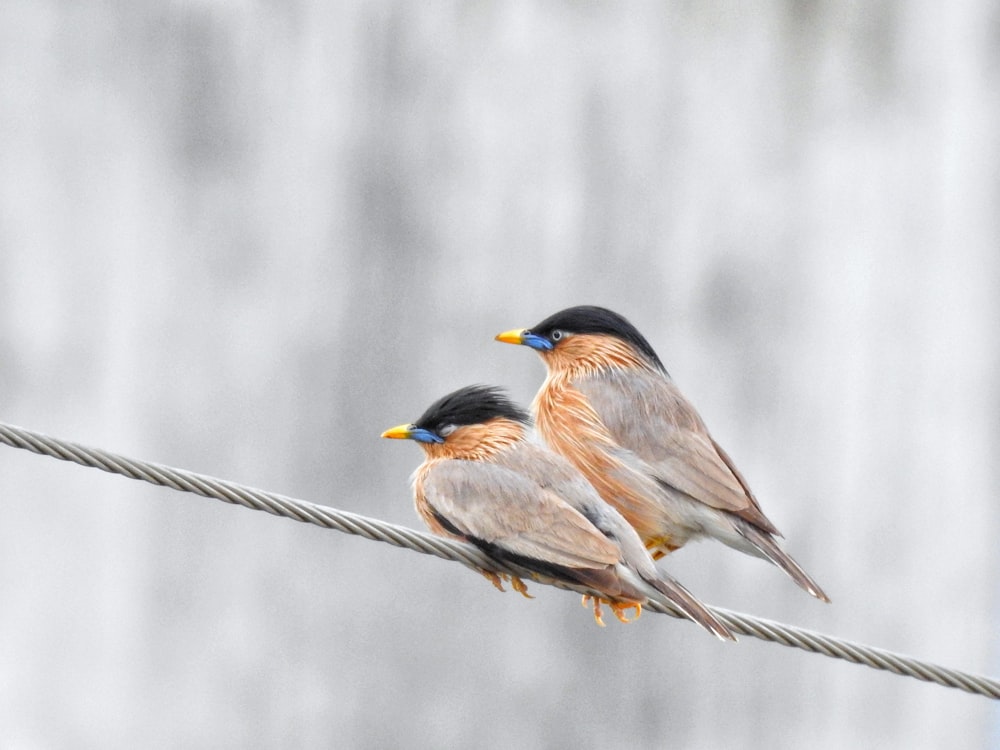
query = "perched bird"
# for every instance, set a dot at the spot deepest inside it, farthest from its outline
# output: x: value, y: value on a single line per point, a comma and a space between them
x: 610, y: 407
x: 484, y: 482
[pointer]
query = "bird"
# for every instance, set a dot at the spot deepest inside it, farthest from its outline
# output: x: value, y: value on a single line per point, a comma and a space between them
x: 486, y: 481
x: 609, y: 406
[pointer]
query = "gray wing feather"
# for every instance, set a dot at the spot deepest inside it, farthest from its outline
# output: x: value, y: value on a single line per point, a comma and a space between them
x: 665, y: 437
x: 503, y: 507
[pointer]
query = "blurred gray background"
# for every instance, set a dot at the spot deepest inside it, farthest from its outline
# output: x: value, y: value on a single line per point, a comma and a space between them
x: 245, y: 238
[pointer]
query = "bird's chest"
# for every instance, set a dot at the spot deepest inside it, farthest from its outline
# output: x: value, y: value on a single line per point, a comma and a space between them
x: 423, y: 506
x: 569, y: 424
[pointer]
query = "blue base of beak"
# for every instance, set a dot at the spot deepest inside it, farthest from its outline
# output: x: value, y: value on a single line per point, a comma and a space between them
x: 538, y: 343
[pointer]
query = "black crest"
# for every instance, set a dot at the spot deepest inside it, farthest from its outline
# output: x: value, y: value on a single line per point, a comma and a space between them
x: 473, y: 404
x: 591, y: 319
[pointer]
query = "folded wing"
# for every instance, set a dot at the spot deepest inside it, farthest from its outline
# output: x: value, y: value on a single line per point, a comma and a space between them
x: 646, y: 414
x: 501, y: 507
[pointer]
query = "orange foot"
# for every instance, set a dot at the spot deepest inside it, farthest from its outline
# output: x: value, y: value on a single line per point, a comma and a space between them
x: 660, y: 547
x: 620, y: 609
x: 520, y: 587
x: 496, y: 579
x: 596, y: 601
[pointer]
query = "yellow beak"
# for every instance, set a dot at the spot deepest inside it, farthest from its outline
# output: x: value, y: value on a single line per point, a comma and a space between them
x: 399, y: 432
x: 513, y: 336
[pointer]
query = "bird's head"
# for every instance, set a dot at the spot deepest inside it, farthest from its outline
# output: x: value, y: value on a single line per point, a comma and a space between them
x: 586, y: 336
x: 471, y: 422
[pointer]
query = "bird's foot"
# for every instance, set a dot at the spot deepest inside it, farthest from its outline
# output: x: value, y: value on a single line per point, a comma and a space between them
x: 596, y: 602
x: 496, y: 579
x: 520, y: 587
x: 660, y: 547
x: 620, y: 609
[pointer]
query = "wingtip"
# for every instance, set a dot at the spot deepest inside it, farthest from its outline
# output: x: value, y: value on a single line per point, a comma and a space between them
x: 713, y: 625
x: 820, y: 594
x: 770, y: 550
x: 804, y: 582
x: 708, y: 620
x: 726, y: 635
x: 692, y: 608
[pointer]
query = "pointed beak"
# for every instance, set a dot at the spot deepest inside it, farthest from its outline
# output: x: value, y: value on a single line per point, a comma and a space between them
x: 399, y: 432
x: 513, y: 336
x: 525, y: 337
x: 412, y: 432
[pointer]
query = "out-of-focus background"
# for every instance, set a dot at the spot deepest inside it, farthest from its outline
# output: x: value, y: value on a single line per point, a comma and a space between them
x: 245, y: 238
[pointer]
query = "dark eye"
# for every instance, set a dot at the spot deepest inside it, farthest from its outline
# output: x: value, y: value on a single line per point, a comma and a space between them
x: 556, y: 335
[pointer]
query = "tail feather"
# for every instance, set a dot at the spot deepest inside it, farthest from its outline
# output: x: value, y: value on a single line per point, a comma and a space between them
x: 769, y: 548
x: 685, y: 601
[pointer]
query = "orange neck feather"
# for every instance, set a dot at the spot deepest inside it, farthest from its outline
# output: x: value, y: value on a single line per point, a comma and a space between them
x: 477, y: 442
x: 584, y: 353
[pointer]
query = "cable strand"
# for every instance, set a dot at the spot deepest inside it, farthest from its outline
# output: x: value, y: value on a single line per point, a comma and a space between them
x: 470, y: 556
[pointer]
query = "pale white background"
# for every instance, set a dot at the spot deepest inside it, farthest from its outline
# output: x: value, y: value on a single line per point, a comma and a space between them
x: 245, y: 238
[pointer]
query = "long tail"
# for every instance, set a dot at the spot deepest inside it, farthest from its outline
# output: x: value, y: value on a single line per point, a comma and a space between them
x: 767, y: 547
x: 685, y: 601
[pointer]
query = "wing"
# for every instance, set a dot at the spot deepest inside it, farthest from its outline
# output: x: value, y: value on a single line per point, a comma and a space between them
x: 645, y: 413
x: 502, y: 507
x: 553, y: 473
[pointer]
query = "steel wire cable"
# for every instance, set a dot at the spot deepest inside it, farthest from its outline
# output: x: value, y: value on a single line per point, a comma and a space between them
x: 472, y: 557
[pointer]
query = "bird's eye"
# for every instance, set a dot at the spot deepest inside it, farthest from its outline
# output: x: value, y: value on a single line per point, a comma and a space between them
x: 557, y: 335
x: 446, y: 430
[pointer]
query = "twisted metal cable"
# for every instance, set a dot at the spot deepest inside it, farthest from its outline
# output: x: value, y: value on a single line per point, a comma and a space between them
x: 472, y: 557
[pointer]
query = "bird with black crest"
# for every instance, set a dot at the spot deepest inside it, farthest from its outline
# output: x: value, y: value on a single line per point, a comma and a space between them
x: 483, y: 481
x: 609, y: 406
